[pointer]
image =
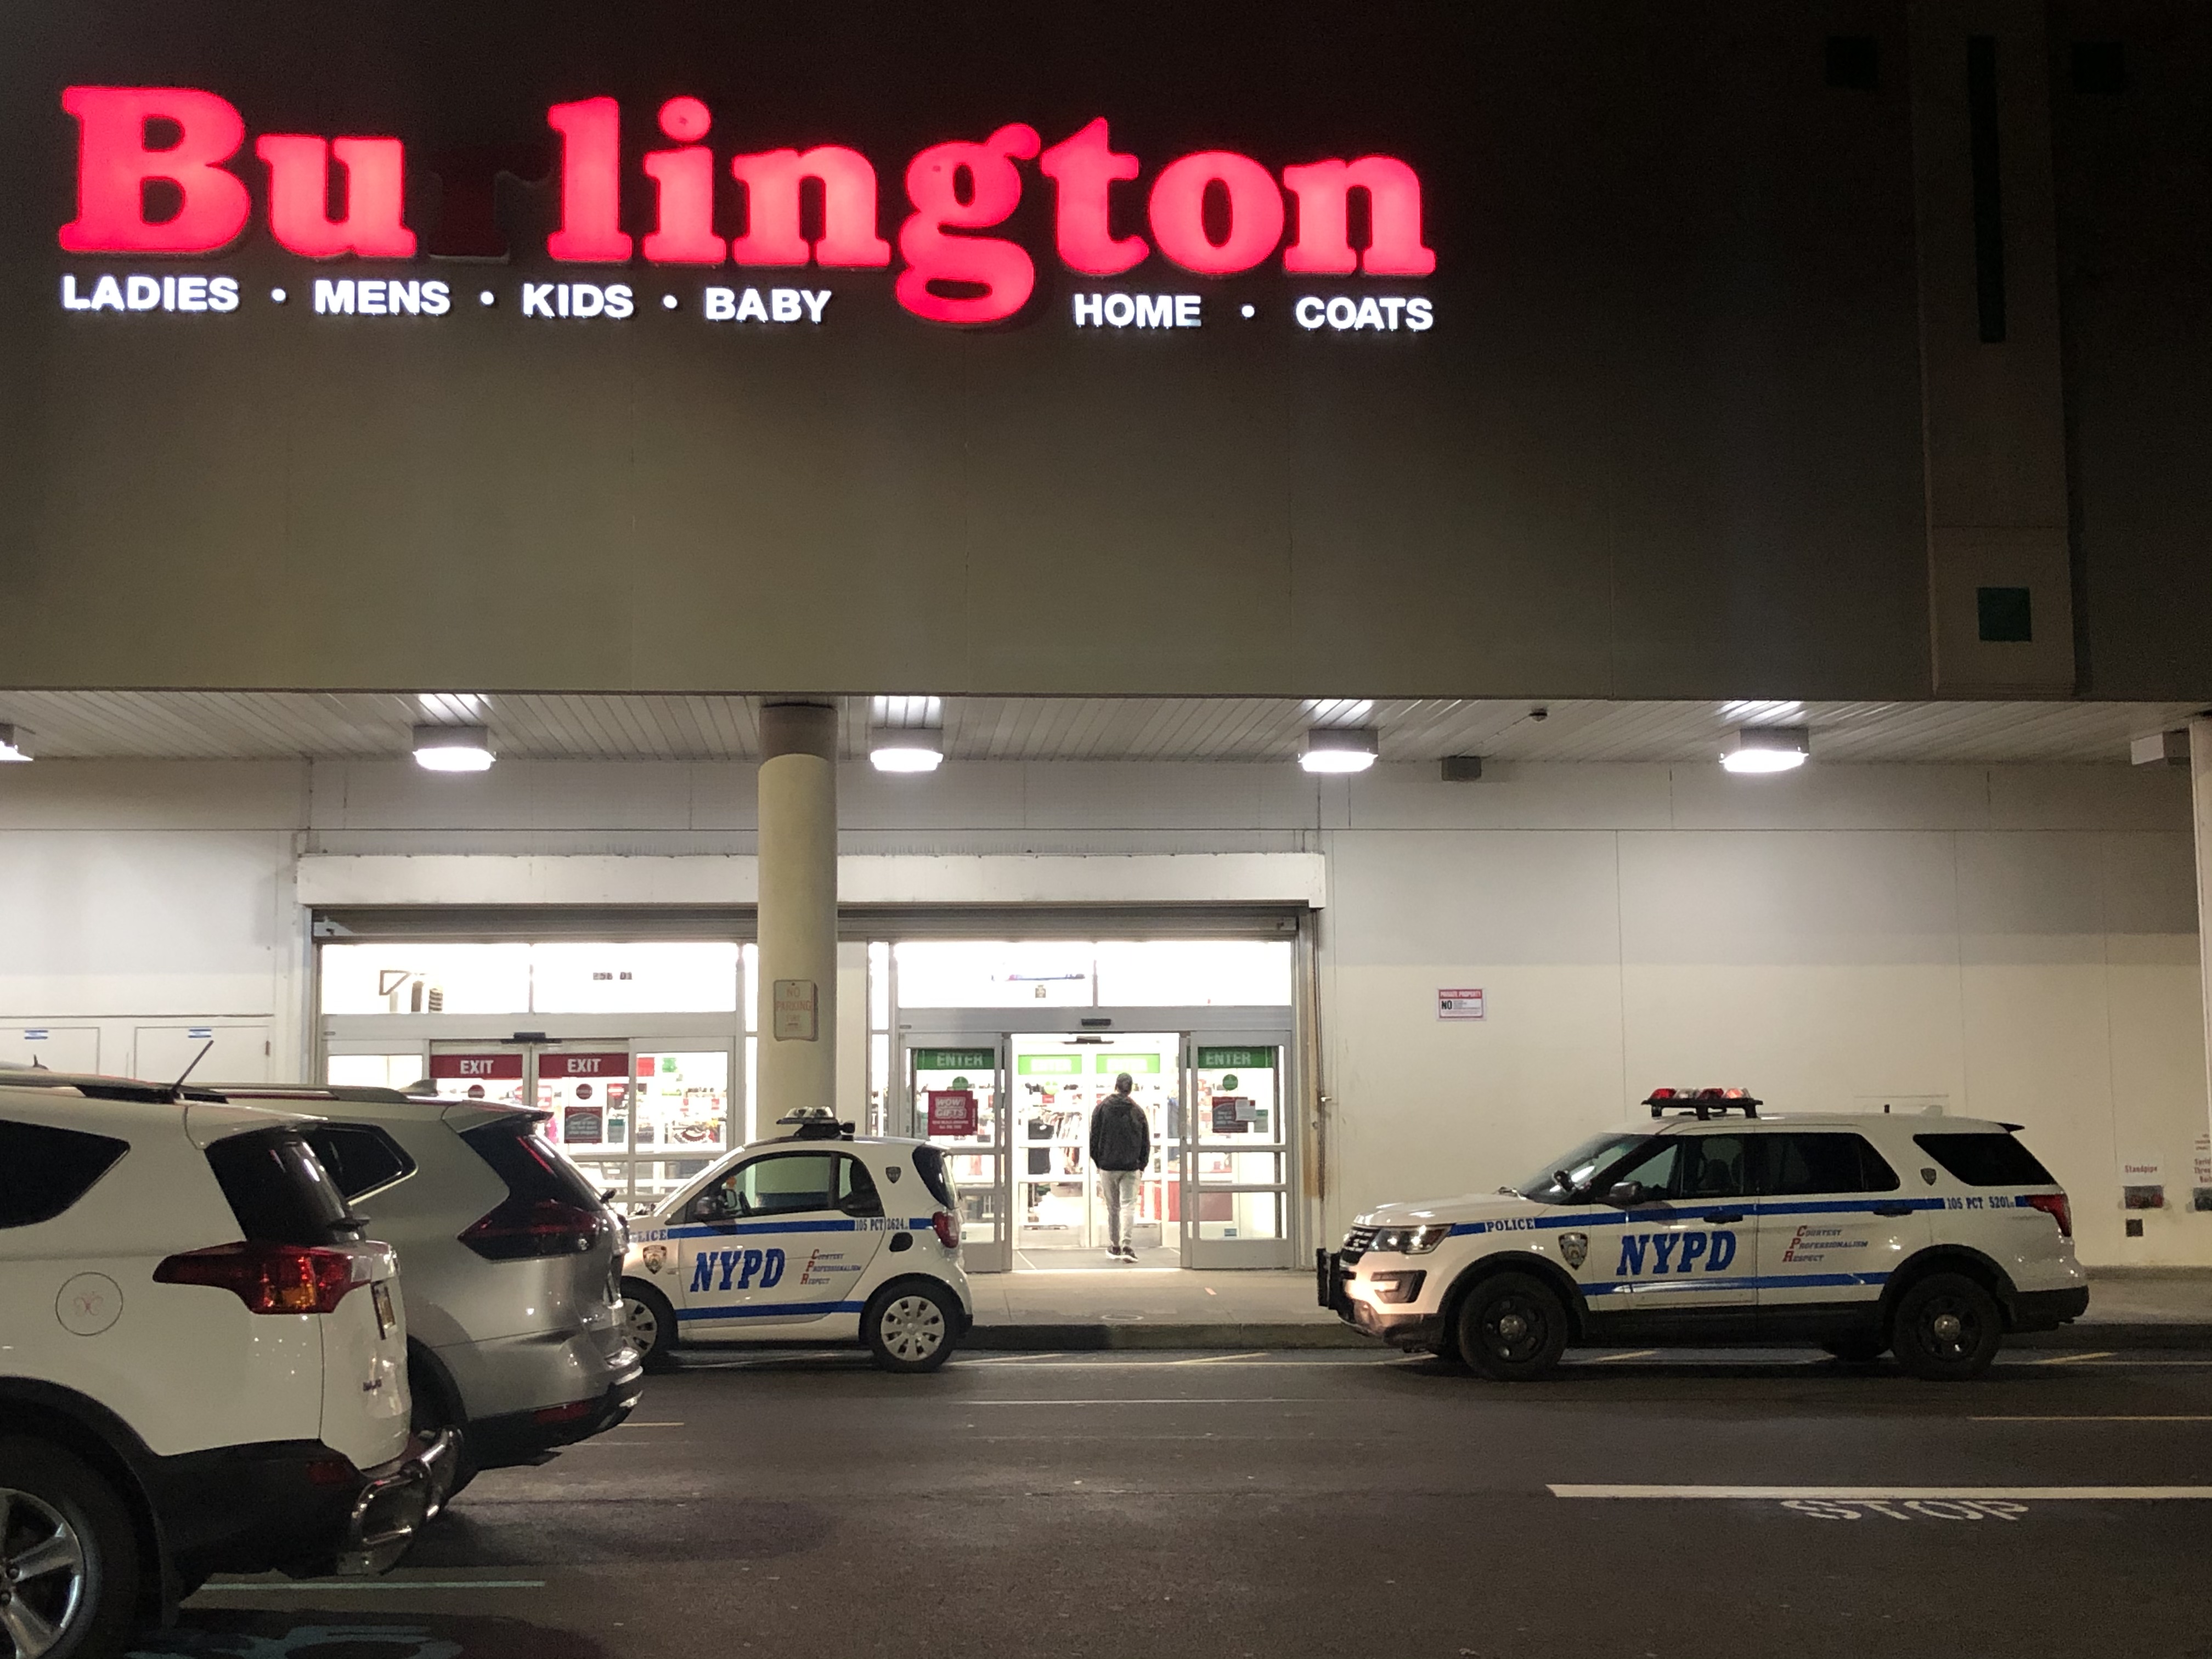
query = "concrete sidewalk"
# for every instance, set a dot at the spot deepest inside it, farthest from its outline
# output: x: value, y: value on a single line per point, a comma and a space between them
x: 1111, y: 1306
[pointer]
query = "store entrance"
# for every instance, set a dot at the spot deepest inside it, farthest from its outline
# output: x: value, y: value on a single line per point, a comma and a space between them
x: 1014, y: 1107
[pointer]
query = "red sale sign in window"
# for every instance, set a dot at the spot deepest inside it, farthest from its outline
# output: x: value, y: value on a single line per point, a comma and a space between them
x: 951, y: 1112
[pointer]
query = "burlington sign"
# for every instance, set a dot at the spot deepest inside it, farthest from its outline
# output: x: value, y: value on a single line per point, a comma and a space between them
x: 162, y: 171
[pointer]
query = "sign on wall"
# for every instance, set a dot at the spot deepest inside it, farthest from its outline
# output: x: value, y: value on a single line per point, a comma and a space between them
x: 951, y: 1112
x: 1463, y: 1004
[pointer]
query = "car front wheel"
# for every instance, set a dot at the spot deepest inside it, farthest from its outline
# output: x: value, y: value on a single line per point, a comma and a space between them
x: 910, y: 1326
x: 650, y: 1323
x: 68, y: 1558
x: 1946, y: 1328
x: 1512, y: 1327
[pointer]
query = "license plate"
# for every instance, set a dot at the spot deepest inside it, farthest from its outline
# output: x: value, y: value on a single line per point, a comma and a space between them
x: 380, y: 1293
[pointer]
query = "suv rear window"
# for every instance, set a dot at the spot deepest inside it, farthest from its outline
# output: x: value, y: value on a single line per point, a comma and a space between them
x: 44, y: 1170
x: 279, y: 1190
x: 929, y: 1163
x: 359, y: 1157
x: 528, y: 1163
x: 1986, y: 1159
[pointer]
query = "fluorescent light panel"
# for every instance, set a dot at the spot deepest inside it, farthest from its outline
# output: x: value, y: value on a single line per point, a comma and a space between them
x: 453, y: 748
x: 1338, y: 749
x: 1753, y: 751
x: 11, y: 744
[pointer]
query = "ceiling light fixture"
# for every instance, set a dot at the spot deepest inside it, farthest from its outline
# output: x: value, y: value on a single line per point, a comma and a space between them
x: 906, y: 734
x: 1338, y: 749
x: 1756, y: 749
x: 11, y: 744
x: 906, y: 748
x: 453, y: 748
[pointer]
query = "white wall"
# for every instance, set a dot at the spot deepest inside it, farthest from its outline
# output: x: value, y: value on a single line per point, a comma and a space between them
x: 2020, y: 942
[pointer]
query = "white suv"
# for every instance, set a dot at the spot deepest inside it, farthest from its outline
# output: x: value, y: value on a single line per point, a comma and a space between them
x: 1928, y: 1235
x: 816, y: 1238
x: 204, y: 1367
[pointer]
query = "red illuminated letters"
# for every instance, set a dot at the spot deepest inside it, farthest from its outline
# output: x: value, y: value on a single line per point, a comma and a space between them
x: 156, y: 175
x: 1000, y: 268
x: 114, y: 166
x: 1178, y: 211
x: 1394, y: 218
x: 772, y: 236
x: 686, y: 235
x: 591, y: 182
x: 1085, y: 169
x: 299, y: 195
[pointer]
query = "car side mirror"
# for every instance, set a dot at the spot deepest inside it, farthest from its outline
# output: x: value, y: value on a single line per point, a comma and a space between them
x: 1626, y: 1193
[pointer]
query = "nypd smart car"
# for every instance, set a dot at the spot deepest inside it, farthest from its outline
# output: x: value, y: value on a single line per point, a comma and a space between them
x: 1927, y: 1236
x: 817, y: 1237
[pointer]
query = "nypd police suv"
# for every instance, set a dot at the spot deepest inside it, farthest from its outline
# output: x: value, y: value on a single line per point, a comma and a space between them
x: 1928, y: 1236
x: 817, y: 1237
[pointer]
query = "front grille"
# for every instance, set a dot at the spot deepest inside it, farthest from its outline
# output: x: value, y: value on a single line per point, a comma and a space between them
x: 1357, y: 1241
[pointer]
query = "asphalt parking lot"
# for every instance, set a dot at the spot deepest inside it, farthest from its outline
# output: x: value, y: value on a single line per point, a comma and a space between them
x: 1228, y: 1506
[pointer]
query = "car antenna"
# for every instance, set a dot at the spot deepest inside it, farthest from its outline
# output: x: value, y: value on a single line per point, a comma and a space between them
x: 176, y: 1091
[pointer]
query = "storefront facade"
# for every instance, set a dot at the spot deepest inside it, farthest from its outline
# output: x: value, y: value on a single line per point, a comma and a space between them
x: 1118, y: 406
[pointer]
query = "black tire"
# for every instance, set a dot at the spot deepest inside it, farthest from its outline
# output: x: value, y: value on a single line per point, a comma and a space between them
x: 69, y: 1537
x: 651, y: 1323
x: 911, y: 1324
x: 1512, y: 1327
x: 1946, y: 1328
x: 433, y: 1408
x: 1856, y: 1350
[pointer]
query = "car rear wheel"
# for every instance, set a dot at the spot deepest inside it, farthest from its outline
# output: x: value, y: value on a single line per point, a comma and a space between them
x: 910, y: 1326
x: 1946, y: 1328
x: 68, y: 1558
x: 434, y: 1409
x: 1512, y: 1327
x: 650, y: 1323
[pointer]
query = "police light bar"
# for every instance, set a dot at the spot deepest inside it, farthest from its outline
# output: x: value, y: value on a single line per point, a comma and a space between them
x: 1705, y: 1103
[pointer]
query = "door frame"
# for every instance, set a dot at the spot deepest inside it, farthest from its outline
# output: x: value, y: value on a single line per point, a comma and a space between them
x: 996, y: 1255
x: 1226, y: 1027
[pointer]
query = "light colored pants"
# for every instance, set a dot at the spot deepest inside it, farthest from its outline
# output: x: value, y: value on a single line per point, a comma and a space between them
x: 1118, y: 1188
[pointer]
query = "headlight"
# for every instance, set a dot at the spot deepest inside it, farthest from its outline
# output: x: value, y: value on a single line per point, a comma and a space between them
x: 1412, y: 1241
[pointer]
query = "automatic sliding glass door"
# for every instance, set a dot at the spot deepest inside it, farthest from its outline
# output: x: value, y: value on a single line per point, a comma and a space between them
x: 1236, y: 1155
x: 956, y: 1092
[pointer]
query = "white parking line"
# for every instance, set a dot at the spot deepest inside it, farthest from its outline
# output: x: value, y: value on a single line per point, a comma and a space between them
x: 1222, y: 1360
x: 2074, y: 1358
x: 1223, y: 1400
x: 1610, y: 1359
x: 1901, y: 1494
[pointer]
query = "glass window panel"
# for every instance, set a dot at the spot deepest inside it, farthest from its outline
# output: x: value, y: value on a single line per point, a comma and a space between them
x: 376, y: 1071
x: 1240, y: 1215
x: 951, y: 1072
x: 784, y: 1183
x: 879, y: 1082
x: 655, y: 1179
x: 1222, y: 1169
x: 987, y: 974
x: 683, y: 1101
x: 660, y: 976
x: 752, y: 998
x: 588, y: 1094
x: 1192, y: 973
x: 608, y: 1174
x: 426, y: 979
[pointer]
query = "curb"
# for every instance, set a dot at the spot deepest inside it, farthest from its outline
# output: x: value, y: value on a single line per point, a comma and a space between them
x: 1144, y: 1334
x: 1232, y: 1338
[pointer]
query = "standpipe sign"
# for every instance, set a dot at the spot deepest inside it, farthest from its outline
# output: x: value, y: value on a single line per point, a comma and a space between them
x: 166, y: 170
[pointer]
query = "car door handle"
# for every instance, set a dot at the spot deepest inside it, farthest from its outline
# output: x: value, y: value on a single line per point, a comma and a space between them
x: 1724, y: 1215
x: 1893, y: 1209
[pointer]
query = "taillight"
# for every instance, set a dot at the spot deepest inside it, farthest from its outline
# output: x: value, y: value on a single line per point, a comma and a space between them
x: 948, y: 1229
x: 522, y: 1228
x: 2054, y: 1206
x: 268, y: 1279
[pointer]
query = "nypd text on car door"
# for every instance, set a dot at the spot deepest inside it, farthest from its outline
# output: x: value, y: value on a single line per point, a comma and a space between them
x: 1677, y: 1254
x: 783, y: 1239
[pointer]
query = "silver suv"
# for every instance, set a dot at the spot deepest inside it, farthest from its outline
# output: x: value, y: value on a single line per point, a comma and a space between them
x: 512, y: 1265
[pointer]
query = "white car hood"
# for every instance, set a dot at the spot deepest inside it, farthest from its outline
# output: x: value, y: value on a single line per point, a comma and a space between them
x: 1468, y: 1206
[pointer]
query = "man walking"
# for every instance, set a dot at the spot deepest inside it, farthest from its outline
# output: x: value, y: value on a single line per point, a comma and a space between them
x: 1121, y: 1147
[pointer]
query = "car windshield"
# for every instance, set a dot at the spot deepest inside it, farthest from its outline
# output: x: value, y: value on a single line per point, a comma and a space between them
x: 1592, y: 1158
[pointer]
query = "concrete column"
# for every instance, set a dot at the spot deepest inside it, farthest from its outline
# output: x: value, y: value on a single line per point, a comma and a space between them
x: 2200, y: 778
x: 798, y: 988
